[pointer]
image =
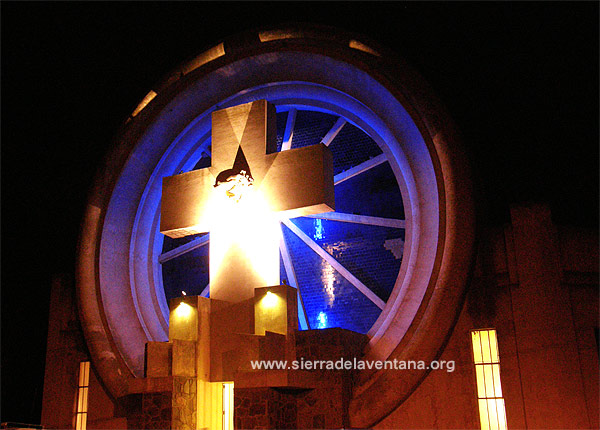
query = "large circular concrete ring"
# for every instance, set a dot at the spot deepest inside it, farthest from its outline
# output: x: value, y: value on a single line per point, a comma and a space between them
x: 121, y: 302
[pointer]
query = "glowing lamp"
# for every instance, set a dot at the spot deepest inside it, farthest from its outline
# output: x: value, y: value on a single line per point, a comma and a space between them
x: 275, y: 309
x: 183, y: 311
x: 270, y: 300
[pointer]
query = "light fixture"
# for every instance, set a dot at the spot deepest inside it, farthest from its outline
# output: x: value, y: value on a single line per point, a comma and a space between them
x: 270, y: 300
x: 183, y: 311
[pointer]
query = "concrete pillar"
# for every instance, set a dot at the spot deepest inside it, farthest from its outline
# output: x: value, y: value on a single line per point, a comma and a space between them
x: 553, y: 393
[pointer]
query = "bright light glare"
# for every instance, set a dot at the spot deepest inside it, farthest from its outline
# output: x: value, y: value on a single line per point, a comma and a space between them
x: 492, y: 411
x: 228, y: 406
x: 318, y: 229
x: 322, y: 319
x: 183, y: 310
x: 270, y: 300
x: 328, y: 278
x: 236, y: 186
x: 248, y: 228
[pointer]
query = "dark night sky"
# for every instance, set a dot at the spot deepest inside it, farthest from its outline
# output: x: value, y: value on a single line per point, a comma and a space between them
x: 520, y: 79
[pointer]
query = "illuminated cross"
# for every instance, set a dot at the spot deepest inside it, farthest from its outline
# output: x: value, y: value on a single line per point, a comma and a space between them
x: 242, y: 196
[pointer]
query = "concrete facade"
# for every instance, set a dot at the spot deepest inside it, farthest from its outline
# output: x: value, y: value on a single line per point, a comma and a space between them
x: 118, y: 272
x: 535, y: 283
x: 66, y: 349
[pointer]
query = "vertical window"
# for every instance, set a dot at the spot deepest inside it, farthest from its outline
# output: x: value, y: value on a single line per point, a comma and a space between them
x: 228, y: 406
x: 492, y: 413
x: 82, y: 395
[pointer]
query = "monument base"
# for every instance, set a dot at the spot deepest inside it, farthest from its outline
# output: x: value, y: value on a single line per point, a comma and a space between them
x: 205, y: 375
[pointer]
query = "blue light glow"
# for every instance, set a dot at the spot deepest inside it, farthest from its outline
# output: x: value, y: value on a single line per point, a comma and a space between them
x: 328, y: 299
x: 318, y: 229
x: 323, y: 288
x: 322, y: 318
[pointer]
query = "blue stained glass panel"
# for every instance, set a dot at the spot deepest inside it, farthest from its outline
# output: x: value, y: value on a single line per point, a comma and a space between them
x: 327, y: 295
x: 170, y: 243
x: 372, y: 254
x: 204, y: 162
x: 311, y: 127
x: 369, y: 252
x: 374, y: 193
x: 188, y: 272
x: 281, y: 122
x: 283, y: 277
x: 351, y: 147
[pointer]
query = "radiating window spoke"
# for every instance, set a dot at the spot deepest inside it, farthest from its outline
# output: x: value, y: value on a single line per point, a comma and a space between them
x: 336, y: 265
x: 184, y: 249
x: 361, y: 168
x: 361, y: 219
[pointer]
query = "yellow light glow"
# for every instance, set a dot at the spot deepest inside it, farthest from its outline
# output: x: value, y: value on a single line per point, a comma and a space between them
x: 492, y: 412
x: 357, y: 44
x: 245, y: 230
x: 228, y: 405
x: 476, y: 342
x: 183, y: 311
x: 267, y: 36
x: 149, y: 97
x: 82, y: 396
x: 270, y: 300
x: 206, y: 57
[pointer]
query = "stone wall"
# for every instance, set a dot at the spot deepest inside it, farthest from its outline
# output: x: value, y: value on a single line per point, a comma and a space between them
x: 324, y: 405
x: 264, y: 408
x: 184, y: 403
x: 173, y: 409
x: 149, y: 410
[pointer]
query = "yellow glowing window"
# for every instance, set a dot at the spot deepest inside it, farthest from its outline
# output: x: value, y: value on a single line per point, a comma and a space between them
x: 492, y: 413
x: 82, y: 395
x: 228, y: 406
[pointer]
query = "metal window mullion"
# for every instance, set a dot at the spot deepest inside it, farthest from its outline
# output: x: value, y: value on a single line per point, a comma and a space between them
x: 490, y: 347
x: 492, y: 377
x: 483, y: 363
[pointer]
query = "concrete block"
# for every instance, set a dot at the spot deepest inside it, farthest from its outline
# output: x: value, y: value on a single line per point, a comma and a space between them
x: 158, y: 359
x: 275, y: 310
x: 183, y: 318
x: 184, y: 358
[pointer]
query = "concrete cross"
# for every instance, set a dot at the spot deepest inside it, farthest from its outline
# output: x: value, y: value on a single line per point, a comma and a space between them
x: 235, y: 199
